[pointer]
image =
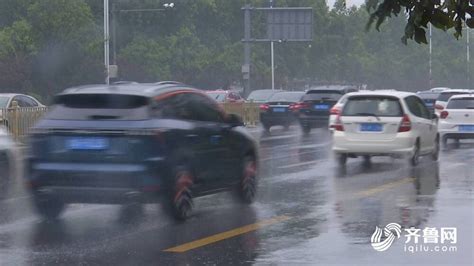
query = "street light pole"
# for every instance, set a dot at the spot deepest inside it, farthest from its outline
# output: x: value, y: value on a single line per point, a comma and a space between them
x: 468, y: 57
x: 106, y: 42
x: 431, y: 52
x: 114, y: 35
x: 272, y: 56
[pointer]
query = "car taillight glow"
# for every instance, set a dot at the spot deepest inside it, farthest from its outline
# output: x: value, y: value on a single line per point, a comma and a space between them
x: 405, y: 126
x: 338, y: 124
x: 298, y: 106
x: 335, y: 111
x: 444, y: 114
x: 439, y: 107
x: 292, y: 107
x: 264, y: 107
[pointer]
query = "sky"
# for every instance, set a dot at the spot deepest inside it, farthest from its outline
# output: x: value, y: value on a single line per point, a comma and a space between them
x: 348, y: 2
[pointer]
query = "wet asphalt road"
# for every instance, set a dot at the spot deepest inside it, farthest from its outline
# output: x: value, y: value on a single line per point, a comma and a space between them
x: 308, y: 211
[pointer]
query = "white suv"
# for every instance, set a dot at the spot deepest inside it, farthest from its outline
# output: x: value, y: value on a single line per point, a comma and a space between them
x: 457, y: 119
x: 385, y: 123
x: 444, y: 97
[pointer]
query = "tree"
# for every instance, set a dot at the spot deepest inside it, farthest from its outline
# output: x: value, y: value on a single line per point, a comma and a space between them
x: 442, y: 14
x: 48, y: 45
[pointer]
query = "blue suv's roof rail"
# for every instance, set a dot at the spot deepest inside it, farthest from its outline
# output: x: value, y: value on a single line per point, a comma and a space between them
x: 123, y: 82
x: 169, y: 82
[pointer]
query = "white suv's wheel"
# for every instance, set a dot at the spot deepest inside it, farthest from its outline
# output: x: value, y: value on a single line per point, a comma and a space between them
x: 415, y: 158
x: 435, y: 154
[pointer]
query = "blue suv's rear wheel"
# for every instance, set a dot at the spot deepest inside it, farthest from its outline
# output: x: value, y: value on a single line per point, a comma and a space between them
x: 180, y: 200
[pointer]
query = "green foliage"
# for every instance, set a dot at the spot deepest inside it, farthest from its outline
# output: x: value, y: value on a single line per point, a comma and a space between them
x: 60, y: 20
x: 442, y: 14
x: 17, y: 39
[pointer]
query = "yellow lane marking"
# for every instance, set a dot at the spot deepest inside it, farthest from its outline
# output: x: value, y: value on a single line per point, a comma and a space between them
x: 225, y: 235
x: 372, y: 191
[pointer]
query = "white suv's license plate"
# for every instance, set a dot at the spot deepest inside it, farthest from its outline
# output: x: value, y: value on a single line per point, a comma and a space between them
x: 371, y: 127
x: 87, y: 143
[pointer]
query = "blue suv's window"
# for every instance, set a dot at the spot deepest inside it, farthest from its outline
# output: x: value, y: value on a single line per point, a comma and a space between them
x: 99, y: 107
x: 187, y: 106
x: 173, y: 107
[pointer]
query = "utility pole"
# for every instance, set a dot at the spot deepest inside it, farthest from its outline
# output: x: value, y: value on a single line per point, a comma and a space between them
x: 246, y: 66
x: 431, y: 60
x: 468, y: 57
x: 272, y: 56
x: 114, y: 34
x: 106, y: 42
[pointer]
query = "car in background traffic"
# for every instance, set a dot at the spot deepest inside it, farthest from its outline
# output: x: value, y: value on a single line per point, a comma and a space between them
x: 6, y: 101
x: 315, y: 106
x: 137, y: 143
x: 279, y: 109
x: 444, y: 97
x: 429, y: 98
x: 457, y: 119
x: 439, y: 89
x: 261, y: 96
x: 225, y: 96
x: 385, y: 123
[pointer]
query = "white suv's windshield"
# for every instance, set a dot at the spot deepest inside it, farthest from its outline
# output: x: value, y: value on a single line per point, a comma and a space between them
x: 372, y: 106
x: 461, y: 103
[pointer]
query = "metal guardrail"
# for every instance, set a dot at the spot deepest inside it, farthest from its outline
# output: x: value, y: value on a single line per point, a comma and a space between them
x: 249, y: 112
x: 18, y: 120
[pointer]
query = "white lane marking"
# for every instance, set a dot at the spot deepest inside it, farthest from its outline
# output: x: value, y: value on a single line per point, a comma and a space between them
x: 302, y: 164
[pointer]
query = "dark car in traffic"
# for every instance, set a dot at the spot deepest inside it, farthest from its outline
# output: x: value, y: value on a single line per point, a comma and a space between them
x: 137, y: 143
x: 278, y: 110
x: 314, y: 109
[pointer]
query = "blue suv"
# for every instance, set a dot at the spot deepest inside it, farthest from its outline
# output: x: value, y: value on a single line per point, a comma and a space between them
x: 141, y: 143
